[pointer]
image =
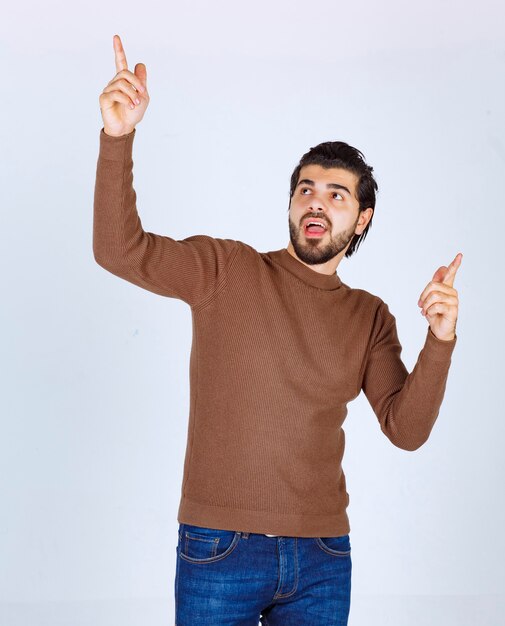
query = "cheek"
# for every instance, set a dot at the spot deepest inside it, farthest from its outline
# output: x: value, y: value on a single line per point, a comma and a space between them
x: 340, y: 221
x: 296, y: 213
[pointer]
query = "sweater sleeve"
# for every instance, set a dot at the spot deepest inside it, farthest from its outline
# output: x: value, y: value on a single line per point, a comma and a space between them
x: 406, y: 405
x: 191, y: 269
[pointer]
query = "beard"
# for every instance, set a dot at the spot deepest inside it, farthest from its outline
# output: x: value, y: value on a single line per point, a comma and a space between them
x: 312, y: 250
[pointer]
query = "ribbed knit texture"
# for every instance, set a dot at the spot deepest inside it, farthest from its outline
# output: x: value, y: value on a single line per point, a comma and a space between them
x: 278, y: 351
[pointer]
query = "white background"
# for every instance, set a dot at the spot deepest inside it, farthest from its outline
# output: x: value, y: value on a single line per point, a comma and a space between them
x: 95, y: 371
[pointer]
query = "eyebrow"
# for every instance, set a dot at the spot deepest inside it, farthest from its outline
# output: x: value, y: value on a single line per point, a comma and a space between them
x: 307, y: 181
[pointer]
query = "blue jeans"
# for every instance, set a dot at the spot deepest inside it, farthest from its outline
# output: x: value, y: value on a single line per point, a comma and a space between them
x: 234, y: 578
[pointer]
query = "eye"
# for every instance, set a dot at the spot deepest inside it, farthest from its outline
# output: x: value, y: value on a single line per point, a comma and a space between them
x: 335, y: 193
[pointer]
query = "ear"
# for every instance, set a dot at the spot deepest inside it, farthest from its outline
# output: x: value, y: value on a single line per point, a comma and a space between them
x: 364, y: 218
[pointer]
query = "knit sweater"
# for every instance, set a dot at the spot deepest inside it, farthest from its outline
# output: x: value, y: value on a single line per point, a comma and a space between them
x: 278, y: 351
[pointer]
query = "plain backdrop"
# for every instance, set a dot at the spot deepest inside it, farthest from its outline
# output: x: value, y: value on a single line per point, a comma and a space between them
x: 95, y: 371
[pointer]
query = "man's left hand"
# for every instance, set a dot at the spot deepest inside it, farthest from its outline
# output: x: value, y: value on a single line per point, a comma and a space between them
x: 439, y: 301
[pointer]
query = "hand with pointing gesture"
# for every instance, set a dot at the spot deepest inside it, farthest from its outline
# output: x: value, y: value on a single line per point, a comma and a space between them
x: 124, y: 100
x: 439, y: 301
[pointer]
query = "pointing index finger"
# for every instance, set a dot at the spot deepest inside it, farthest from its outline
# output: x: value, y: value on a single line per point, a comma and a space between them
x: 453, y: 268
x: 119, y: 54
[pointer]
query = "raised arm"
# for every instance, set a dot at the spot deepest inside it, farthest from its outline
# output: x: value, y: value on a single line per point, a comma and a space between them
x: 406, y: 405
x: 191, y: 269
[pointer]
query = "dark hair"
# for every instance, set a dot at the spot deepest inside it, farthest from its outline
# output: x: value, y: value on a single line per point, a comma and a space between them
x: 340, y: 154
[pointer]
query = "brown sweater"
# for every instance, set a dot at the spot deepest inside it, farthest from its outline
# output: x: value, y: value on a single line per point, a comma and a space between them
x: 278, y: 352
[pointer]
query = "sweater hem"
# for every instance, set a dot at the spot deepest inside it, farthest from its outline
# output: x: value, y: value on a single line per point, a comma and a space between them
x: 263, y: 522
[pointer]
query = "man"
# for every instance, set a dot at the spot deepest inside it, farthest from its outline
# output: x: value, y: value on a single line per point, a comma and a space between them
x: 280, y: 347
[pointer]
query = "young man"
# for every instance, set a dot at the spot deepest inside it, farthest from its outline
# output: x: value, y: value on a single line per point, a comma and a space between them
x: 280, y: 347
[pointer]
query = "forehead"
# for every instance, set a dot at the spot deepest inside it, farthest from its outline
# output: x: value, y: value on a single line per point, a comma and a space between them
x: 321, y: 176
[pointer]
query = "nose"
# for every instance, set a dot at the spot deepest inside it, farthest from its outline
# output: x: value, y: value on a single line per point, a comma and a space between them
x: 315, y: 204
x: 317, y: 210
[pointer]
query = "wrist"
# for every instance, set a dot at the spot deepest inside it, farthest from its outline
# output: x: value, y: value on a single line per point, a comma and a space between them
x: 444, y: 338
x: 112, y: 134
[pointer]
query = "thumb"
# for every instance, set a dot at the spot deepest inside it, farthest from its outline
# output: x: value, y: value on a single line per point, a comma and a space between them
x: 448, y: 274
x: 141, y: 72
x: 439, y: 275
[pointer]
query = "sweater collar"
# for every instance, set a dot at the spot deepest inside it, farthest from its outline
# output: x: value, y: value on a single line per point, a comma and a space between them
x: 311, y: 277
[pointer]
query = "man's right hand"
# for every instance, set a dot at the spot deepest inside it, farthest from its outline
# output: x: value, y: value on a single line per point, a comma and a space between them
x: 120, y: 112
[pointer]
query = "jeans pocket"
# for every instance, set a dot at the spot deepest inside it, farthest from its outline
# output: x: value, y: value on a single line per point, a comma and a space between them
x: 336, y: 546
x: 199, y: 544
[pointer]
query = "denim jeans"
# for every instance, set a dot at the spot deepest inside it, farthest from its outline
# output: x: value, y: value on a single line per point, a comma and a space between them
x: 234, y: 578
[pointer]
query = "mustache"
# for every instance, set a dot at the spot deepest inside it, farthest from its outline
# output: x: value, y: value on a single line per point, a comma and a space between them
x: 315, y: 217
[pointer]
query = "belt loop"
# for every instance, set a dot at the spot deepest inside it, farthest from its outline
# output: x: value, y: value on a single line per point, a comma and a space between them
x: 245, y: 535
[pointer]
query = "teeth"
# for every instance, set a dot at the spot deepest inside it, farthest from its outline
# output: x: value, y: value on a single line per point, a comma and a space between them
x: 316, y: 224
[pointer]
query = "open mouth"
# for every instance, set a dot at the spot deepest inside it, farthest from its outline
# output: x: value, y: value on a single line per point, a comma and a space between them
x: 314, y: 228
